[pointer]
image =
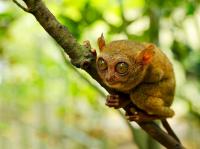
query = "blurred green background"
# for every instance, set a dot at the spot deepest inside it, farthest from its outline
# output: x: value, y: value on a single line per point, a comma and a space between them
x: 46, y: 104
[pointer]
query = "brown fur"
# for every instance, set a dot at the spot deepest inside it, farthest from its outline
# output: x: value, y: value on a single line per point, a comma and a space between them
x: 150, y: 80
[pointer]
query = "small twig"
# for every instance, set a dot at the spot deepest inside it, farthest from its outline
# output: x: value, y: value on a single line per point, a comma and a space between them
x: 22, y: 7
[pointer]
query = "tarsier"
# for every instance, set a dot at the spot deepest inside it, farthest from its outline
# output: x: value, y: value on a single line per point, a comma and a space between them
x: 141, y: 72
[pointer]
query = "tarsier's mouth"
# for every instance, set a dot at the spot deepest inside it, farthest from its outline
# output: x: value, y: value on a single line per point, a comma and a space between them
x: 113, y: 83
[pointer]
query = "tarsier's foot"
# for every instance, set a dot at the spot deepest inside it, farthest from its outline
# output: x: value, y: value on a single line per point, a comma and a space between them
x: 113, y: 101
x: 141, y: 117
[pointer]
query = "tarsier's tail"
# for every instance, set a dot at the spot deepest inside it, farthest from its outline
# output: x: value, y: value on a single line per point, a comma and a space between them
x: 169, y: 129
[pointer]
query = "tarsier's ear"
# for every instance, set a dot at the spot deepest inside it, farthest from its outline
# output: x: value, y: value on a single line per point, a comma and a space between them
x: 101, y: 42
x: 146, y: 55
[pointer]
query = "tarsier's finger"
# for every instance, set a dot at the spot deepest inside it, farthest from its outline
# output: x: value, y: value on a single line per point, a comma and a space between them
x: 112, y: 99
x: 132, y: 113
x: 112, y: 104
x: 113, y: 96
x: 133, y: 118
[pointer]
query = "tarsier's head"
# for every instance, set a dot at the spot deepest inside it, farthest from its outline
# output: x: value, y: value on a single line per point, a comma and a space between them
x: 122, y: 64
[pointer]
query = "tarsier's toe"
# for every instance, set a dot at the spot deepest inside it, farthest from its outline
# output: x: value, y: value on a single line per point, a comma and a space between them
x: 111, y: 104
x: 142, y: 117
x: 112, y: 98
x: 134, y: 117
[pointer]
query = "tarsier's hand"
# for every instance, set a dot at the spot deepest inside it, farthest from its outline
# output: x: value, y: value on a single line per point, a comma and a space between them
x: 132, y: 112
x: 113, y: 101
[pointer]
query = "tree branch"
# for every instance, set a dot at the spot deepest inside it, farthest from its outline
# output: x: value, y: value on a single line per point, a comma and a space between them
x: 22, y: 7
x: 83, y: 57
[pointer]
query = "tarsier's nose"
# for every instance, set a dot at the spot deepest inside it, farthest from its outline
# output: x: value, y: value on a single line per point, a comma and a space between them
x: 110, y: 78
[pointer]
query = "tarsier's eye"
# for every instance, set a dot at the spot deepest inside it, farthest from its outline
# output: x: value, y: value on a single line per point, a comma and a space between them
x: 121, y: 68
x: 102, y: 65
